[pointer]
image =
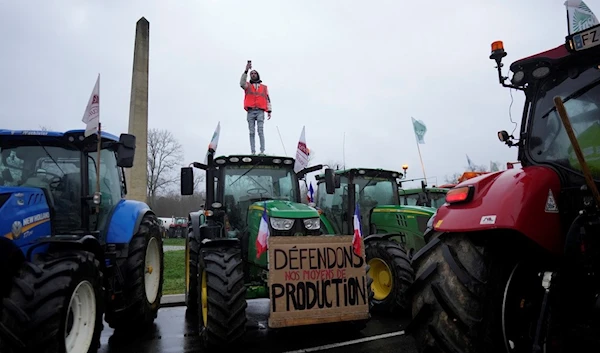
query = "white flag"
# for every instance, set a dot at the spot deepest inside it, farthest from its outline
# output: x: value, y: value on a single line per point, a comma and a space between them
x: 302, y: 153
x: 420, y: 130
x: 91, y: 117
x: 580, y: 16
x: 214, y: 142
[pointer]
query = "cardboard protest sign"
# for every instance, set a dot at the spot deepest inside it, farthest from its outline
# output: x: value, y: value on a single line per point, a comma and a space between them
x: 316, y: 279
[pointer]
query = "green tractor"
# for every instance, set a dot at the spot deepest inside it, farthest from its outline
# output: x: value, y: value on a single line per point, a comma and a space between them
x: 424, y: 196
x: 392, y: 232
x: 223, y: 265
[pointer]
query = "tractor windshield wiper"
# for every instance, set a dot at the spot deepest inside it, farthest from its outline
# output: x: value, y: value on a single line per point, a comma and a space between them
x: 246, y: 172
x: 573, y: 95
x: 52, y: 158
x: 369, y: 182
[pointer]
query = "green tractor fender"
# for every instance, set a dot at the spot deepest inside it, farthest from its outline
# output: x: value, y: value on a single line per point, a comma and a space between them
x: 381, y: 236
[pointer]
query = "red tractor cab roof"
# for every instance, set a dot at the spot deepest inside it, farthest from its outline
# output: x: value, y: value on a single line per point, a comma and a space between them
x: 552, y: 56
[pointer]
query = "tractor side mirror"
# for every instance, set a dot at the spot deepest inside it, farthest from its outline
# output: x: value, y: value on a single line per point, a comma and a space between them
x: 330, y: 181
x: 503, y: 136
x: 126, y: 151
x: 187, y: 181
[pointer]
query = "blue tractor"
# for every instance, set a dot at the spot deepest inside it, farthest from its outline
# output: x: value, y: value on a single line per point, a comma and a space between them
x: 70, y: 254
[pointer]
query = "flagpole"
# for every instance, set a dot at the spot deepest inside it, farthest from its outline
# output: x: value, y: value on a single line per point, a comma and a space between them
x: 421, y: 159
x: 98, y: 164
x: 280, y: 139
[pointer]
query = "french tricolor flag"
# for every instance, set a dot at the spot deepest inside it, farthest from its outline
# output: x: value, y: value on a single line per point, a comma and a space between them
x: 311, y: 193
x: 263, y: 234
x: 357, y: 232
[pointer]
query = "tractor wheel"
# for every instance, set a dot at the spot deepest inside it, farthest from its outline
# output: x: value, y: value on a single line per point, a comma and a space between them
x: 55, y: 305
x: 392, y: 275
x: 191, y: 276
x: 144, y: 271
x: 465, y: 289
x: 222, y: 297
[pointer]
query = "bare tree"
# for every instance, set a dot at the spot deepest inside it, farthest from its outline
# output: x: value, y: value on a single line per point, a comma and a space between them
x: 164, y: 156
x: 44, y: 128
x: 199, y: 181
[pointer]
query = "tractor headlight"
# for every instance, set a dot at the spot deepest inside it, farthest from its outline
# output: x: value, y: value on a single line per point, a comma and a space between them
x: 312, y: 223
x: 282, y: 223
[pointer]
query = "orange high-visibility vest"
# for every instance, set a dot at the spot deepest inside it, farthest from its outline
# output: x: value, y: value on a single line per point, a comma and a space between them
x: 255, y: 98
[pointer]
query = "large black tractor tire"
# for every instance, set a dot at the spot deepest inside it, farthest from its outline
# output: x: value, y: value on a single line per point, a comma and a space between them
x: 221, y: 273
x: 191, y: 294
x: 457, y: 295
x: 36, y: 312
x: 142, y: 311
x: 393, y: 258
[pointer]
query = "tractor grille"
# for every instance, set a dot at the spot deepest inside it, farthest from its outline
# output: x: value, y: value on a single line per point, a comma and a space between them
x: 298, y: 228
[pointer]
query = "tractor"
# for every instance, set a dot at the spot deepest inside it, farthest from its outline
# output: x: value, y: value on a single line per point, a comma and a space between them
x: 392, y: 232
x: 427, y: 196
x: 72, y: 249
x: 178, y: 228
x: 424, y: 196
x: 512, y: 261
x: 223, y: 266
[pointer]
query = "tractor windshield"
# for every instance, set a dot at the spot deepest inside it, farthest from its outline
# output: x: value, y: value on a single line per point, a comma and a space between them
x: 372, y: 192
x: 245, y: 184
x: 549, y: 142
x: 53, y: 169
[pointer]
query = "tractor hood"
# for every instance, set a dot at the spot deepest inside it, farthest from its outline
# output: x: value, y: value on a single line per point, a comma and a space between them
x: 415, y: 210
x: 287, y: 209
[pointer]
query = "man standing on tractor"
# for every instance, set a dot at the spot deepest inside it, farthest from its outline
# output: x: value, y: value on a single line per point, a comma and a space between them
x: 256, y: 102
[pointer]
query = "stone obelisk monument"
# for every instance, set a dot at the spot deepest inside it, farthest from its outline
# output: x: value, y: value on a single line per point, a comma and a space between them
x: 137, y: 177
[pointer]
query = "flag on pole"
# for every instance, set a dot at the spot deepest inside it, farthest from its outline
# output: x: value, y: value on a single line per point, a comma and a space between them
x: 302, y: 153
x: 310, y: 195
x: 579, y: 16
x: 470, y: 163
x: 420, y: 130
x: 91, y: 116
x: 214, y: 141
x: 356, y: 240
x: 262, y: 240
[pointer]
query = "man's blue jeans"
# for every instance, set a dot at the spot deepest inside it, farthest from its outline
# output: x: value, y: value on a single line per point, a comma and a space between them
x: 256, y: 117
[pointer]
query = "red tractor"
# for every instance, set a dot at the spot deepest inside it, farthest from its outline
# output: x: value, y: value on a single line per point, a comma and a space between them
x: 512, y: 259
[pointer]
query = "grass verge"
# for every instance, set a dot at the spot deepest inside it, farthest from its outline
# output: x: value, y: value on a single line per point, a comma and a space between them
x: 174, y: 242
x: 174, y: 273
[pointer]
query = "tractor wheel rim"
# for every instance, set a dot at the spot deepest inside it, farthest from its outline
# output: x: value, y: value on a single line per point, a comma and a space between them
x: 381, y: 274
x: 81, y: 318
x: 204, y: 299
x: 152, y: 270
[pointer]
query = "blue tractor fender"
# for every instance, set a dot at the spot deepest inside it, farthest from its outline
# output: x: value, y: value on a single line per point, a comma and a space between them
x: 125, y: 220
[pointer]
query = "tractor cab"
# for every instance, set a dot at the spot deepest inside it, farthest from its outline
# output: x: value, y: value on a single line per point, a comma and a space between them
x: 63, y: 168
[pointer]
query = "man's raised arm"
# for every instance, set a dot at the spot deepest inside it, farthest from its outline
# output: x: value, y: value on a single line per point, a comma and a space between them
x: 243, y: 82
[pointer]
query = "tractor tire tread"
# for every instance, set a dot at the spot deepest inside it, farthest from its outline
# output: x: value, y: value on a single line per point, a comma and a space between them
x: 450, y: 296
x: 192, y: 296
x: 226, y: 296
x: 36, y: 318
x: 402, y: 271
x: 139, y: 313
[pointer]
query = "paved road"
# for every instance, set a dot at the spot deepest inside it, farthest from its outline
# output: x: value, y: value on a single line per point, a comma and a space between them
x: 172, y: 334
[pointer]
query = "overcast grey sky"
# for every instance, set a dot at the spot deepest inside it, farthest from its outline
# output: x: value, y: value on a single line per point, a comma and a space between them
x: 359, y: 67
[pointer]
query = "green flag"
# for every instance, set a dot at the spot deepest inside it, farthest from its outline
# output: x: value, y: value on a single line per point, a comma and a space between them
x: 420, y: 130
